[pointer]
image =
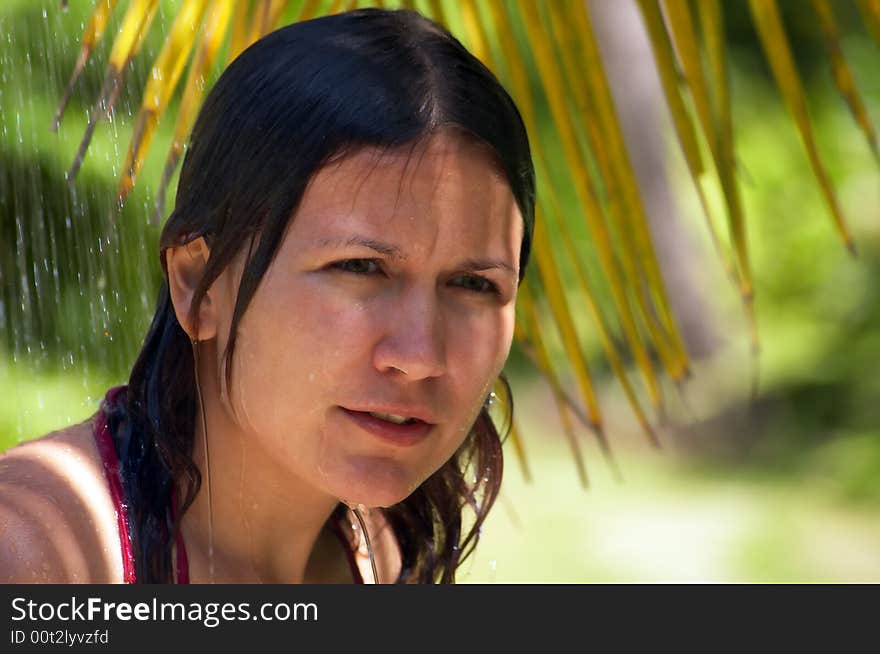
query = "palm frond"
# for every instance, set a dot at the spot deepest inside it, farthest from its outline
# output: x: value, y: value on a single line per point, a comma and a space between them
x: 536, y: 350
x: 871, y: 15
x: 135, y: 25
x: 664, y: 57
x: 843, y: 76
x: 162, y: 82
x: 636, y: 328
x: 90, y: 38
x: 684, y: 37
x: 207, y: 48
x: 775, y: 42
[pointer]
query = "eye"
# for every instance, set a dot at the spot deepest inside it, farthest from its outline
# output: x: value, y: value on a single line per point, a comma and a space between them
x: 357, y: 266
x: 477, y: 284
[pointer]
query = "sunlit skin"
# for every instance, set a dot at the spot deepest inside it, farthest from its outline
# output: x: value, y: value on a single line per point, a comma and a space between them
x: 395, y: 283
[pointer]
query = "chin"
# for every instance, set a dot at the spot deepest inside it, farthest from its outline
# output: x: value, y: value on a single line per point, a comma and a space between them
x: 375, y: 482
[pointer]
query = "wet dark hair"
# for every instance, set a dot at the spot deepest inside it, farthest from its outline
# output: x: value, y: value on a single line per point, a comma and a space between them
x: 301, y: 96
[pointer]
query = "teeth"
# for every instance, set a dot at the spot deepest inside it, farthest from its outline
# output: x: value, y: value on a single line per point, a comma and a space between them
x: 390, y: 417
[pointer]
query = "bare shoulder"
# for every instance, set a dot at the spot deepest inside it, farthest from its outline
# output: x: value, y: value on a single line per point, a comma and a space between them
x: 57, y: 520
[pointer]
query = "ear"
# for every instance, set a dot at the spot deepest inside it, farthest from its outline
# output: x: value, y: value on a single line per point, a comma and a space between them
x: 186, y: 266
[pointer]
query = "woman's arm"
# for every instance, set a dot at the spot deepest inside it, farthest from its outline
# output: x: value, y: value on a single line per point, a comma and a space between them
x: 57, y: 522
x: 29, y: 552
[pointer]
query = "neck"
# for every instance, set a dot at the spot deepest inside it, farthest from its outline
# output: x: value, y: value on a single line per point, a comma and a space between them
x: 262, y: 522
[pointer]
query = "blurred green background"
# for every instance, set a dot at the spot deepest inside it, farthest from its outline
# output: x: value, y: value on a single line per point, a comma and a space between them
x: 781, y: 487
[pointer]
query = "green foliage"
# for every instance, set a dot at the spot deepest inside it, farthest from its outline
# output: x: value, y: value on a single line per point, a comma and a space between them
x: 75, y: 304
x: 818, y: 307
x: 77, y: 292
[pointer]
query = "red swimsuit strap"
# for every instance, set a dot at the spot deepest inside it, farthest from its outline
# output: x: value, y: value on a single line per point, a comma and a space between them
x: 114, y: 479
x: 112, y: 471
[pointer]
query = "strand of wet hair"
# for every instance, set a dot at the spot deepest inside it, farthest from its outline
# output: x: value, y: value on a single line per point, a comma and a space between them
x: 357, y: 514
x: 207, y: 465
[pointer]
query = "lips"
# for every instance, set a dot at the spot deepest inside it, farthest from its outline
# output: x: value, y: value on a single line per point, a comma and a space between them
x: 405, y: 435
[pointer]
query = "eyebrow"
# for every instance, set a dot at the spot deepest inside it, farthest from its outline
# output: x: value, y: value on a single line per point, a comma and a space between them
x: 488, y: 264
x: 395, y: 252
x: 382, y: 248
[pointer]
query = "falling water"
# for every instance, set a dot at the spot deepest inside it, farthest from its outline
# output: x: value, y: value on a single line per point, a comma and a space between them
x: 78, y: 277
x: 365, y: 536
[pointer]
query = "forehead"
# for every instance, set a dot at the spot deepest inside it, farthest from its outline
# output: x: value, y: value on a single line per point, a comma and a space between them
x: 441, y: 185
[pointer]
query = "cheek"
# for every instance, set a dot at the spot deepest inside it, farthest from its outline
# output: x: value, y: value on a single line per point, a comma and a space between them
x: 483, y: 345
x: 294, y: 345
x: 481, y: 348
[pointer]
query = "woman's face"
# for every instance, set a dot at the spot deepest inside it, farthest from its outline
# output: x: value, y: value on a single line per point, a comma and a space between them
x: 393, y: 291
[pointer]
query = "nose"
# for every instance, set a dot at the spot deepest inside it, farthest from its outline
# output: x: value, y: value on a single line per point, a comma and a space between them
x: 413, y: 338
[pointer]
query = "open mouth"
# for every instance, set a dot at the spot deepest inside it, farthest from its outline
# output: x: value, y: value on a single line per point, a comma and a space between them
x: 390, y: 417
x: 399, y: 430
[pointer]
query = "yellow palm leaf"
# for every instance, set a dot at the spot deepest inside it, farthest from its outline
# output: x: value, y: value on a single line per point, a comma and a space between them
x: 843, y: 77
x: 661, y: 47
x: 685, y: 40
x: 624, y: 203
x: 871, y: 14
x: 608, y: 345
x: 135, y: 25
x: 553, y: 287
x: 622, y: 173
x: 775, y: 42
x: 265, y: 15
x: 711, y: 21
x: 519, y: 449
x: 436, y: 11
x: 194, y: 90
x: 476, y: 34
x: 92, y: 34
x: 240, y: 27
x: 162, y: 82
x: 536, y: 350
x: 593, y: 213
